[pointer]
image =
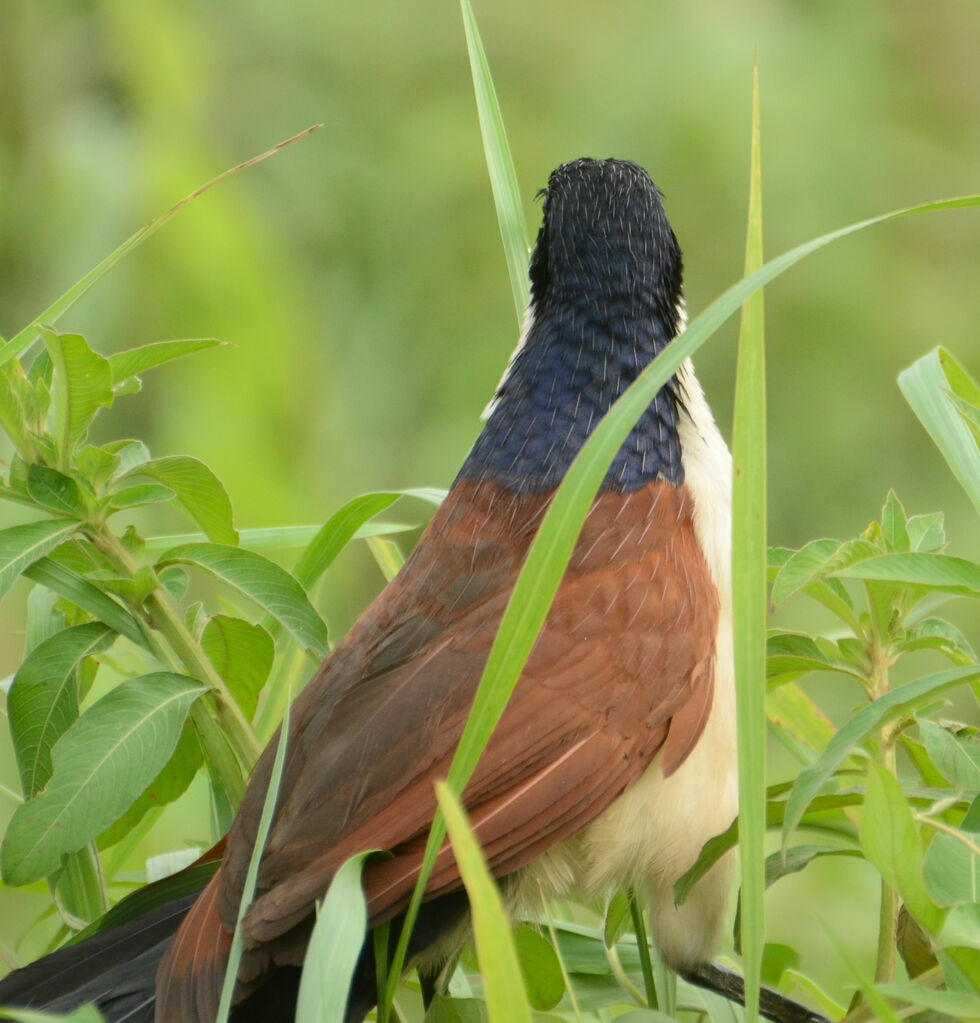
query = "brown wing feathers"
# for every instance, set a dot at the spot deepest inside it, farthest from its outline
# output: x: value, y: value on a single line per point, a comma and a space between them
x: 622, y: 668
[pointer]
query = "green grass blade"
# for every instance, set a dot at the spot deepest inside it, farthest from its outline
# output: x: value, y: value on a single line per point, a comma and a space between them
x: 251, y: 877
x: 276, y: 538
x: 749, y: 587
x: 21, y: 341
x: 552, y: 548
x: 500, y: 164
x: 503, y: 984
x: 335, y: 946
x: 926, y: 389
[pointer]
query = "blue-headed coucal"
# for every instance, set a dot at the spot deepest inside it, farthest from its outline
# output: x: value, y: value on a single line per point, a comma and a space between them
x: 615, y: 759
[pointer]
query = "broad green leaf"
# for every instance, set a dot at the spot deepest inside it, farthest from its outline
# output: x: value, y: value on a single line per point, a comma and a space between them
x: 82, y: 385
x: 890, y: 840
x: 55, y: 491
x: 893, y: 523
x: 90, y: 598
x: 937, y: 571
x: 952, y: 871
x: 886, y: 708
x: 129, y: 454
x: 540, y: 968
x: 962, y: 927
x: 957, y: 760
x: 134, y: 361
x: 198, y: 490
x: 24, y: 338
x: 252, y: 874
x: 556, y: 537
x: 174, y: 580
x: 22, y: 546
x: 43, y: 621
x: 96, y: 464
x: 334, y: 948
x: 500, y: 164
x: 776, y: 960
x: 263, y: 581
x: 939, y: 634
x: 927, y: 533
x: 794, y: 654
x: 503, y: 985
x: 100, y: 766
x: 170, y: 784
x: 139, y: 495
x: 925, y: 385
x: 43, y: 699
x: 242, y: 654
x: 814, y: 561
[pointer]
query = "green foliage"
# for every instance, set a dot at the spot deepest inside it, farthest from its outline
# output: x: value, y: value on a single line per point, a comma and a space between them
x: 334, y: 947
x: 135, y: 675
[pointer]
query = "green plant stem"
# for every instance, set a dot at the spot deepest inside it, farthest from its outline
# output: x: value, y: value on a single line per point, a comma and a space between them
x: 885, y: 959
x: 236, y: 731
x: 643, y: 946
x: 236, y: 726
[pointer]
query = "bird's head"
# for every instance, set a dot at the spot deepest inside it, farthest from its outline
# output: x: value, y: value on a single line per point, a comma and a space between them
x: 606, y: 236
x: 605, y: 300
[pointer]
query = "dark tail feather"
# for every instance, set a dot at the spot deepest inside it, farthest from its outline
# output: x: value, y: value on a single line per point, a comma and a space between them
x: 116, y: 969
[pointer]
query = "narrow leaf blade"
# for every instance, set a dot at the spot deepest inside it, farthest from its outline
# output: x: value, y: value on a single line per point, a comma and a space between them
x: 502, y: 981
x: 500, y: 164
x: 749, y: 600
x: 134, y: 361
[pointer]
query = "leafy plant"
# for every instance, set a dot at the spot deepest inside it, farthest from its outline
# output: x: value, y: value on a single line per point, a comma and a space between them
x: 129, y: 687
x: 109, y: 610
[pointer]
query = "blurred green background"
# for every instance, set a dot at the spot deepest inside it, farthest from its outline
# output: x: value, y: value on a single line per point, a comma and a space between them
x: 360, y: 274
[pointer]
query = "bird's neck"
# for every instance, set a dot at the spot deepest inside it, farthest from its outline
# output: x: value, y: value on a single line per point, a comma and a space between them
x: 569, y: 368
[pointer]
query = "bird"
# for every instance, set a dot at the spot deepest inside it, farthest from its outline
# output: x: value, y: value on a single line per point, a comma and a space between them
x: 615, y: 759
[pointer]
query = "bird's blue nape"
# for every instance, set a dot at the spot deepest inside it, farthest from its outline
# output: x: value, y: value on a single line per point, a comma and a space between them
x: 568, y: 374
x: 605, y: 301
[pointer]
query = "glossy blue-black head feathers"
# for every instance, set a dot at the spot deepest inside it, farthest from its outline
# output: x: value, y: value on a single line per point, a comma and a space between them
x: 605, y: 300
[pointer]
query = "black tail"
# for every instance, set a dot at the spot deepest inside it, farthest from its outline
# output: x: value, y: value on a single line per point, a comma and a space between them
x: 116, y: 969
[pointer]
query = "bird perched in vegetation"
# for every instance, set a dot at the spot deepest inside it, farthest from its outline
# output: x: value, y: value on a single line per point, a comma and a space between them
x: 615, y: 759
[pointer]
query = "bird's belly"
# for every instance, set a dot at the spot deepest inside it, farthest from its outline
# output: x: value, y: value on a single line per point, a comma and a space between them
x: 654, y: 832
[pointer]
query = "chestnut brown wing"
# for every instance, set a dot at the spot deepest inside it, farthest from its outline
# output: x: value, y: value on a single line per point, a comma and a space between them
x: 626, y: 651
